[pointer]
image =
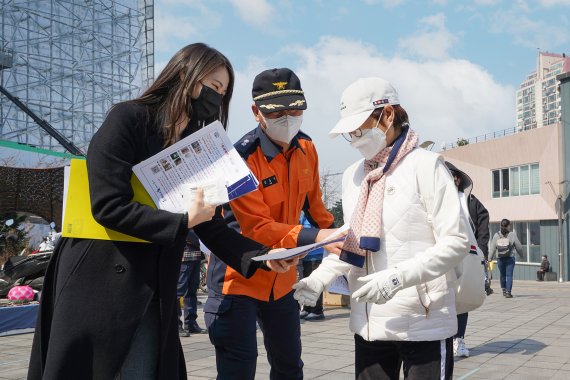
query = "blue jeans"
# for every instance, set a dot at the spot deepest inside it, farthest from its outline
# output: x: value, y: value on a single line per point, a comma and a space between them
x: 506, y: 268
x: 188, y: 282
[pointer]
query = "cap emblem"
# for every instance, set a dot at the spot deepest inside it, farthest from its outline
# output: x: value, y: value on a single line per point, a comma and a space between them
x: 280, y: 85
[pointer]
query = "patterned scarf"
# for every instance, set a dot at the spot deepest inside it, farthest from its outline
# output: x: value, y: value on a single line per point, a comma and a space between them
x: 364, y: 237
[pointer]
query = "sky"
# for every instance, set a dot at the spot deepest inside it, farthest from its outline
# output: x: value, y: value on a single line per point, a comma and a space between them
x: 455, y: 64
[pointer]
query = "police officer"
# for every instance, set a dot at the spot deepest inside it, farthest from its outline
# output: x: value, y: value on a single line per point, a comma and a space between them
x: 285, y: 161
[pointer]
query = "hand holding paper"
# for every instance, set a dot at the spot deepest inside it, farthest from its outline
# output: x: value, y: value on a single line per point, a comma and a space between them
x: 332, y: 234
x: 199, y: 211
x: 215, y: 192
x: 335, y: 236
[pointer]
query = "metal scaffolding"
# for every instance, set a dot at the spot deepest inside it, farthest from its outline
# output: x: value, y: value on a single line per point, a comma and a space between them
x: 68, y: 61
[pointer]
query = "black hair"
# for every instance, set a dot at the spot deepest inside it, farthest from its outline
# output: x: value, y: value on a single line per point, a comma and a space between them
x: 505, y: 223
x: 170, y: 93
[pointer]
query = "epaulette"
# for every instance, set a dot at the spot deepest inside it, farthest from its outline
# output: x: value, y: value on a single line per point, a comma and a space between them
x: 247, y: 144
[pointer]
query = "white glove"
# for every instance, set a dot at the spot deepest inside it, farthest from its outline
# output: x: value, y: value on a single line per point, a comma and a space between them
x: 379, y: 287
x: 308, y: 290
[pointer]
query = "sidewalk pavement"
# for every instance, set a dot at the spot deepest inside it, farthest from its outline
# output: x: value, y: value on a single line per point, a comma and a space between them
x: 526, y: 337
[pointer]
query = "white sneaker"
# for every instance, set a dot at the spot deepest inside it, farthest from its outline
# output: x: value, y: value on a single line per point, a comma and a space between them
x: 459, y: 348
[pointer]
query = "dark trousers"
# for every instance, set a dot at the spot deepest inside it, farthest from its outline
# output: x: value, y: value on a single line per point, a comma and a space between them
x: 308, y: 268
x: 506, y: 268
x: 540, y: 275
x: 232, y: 331
x: 188, y: 282
x: 461, y: 325
x: 382, y: 360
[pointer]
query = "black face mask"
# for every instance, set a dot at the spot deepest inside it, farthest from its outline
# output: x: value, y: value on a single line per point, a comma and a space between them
x: 207, y: 105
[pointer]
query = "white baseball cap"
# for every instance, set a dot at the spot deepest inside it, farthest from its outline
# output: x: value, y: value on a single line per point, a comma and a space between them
x: 360, y: 99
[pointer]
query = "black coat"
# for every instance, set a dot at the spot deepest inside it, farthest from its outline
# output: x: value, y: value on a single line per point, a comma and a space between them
x: 477, y: 212
x: 480, y: 217
x: 97, y: 291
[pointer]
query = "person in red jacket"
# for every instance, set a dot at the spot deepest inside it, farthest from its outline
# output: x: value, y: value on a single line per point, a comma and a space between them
x: 285, y: 162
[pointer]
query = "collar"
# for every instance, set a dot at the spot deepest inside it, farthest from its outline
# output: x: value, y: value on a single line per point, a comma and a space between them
x: 270, y: 149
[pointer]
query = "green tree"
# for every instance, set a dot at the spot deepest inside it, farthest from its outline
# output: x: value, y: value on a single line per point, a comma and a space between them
x: 462, y: 142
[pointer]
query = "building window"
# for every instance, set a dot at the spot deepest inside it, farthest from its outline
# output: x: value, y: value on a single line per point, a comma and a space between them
x: 504, y: 182
x: 516, y: 180
x: 524, y: 180
x: 528, y: 234
x: 534, y: 254
x: 496, y: 184
x: 534, y: 179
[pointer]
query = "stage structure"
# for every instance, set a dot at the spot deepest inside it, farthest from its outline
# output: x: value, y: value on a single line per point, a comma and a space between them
x: 68, y: 61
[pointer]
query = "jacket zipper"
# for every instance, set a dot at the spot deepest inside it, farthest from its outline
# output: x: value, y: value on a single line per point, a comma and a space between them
x: 272, y: 291
x: 289, y: 181
x: 366, y: 305
x: 426, y: 308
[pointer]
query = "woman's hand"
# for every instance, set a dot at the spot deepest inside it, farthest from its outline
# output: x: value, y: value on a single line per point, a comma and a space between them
x: 334, y: 248
x: 283, y: 265
x: 199, y: 211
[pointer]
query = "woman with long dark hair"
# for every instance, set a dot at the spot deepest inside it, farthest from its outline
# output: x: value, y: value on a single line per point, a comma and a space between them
x: 108, y: 309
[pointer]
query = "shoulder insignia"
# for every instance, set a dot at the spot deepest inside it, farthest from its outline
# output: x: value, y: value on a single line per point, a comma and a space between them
x: 247, y: 144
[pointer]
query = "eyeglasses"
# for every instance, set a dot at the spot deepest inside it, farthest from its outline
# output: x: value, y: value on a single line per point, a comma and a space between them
x: 348, y: 136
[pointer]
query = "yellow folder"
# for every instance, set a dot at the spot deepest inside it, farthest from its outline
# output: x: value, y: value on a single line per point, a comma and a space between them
x: 78, y: 222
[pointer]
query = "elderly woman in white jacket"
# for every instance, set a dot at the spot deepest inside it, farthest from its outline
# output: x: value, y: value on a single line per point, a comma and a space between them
x: 398, y: 255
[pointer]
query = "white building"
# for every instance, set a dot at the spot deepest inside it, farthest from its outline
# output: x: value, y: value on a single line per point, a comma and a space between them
x: 538, y: 102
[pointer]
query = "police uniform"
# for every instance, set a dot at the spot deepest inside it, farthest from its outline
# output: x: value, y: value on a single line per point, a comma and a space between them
x: 289, y: 184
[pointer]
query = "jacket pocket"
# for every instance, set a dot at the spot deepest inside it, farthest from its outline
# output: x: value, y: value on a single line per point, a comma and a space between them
x: 423, y: 295
x: 305, y: 185
x: 273, y: 195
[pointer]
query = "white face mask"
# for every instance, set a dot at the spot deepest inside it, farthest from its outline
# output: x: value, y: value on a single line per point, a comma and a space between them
x: 284, y: 128
x: 371, y: 142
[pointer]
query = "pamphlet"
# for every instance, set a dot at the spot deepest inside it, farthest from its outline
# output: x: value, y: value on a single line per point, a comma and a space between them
x: 339, y: 286
x: 337, y: 236
x: 204, y: 157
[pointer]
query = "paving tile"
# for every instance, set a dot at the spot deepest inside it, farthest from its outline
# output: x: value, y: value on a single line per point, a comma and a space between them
x: 533, y: 371
x: 534, y: 344
x: 561, y: 375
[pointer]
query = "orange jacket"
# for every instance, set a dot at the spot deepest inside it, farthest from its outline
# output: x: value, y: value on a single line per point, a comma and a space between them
x: 288, y: 183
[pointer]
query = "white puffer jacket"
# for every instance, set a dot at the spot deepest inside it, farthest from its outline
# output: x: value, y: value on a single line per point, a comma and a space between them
x: 424, y: 251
